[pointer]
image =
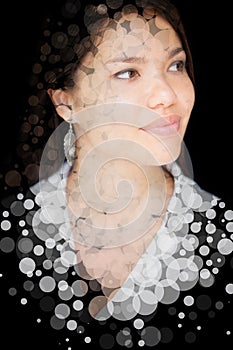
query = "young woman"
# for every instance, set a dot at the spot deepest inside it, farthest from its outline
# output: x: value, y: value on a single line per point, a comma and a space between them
x: 130, y: 248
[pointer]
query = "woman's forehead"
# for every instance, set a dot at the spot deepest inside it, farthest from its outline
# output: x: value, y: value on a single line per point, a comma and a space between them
x: 119, y: 42
x: 131, y: 24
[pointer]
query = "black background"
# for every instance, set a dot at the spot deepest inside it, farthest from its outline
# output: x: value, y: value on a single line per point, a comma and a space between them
x: 209, y: 136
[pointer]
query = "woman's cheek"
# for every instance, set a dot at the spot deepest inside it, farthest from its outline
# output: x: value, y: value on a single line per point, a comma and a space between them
x: 190, y: 94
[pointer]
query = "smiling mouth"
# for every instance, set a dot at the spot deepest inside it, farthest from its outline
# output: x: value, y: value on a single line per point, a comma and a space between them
x: 159, y: 127
x: 165, y: 130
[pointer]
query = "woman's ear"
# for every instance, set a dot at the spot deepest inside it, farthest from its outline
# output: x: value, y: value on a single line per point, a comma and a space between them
x: 62, y: 102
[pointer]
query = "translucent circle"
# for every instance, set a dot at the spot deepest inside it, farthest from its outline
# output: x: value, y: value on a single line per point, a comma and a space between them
x: 190, y: 337
x: 204, y: 250
x: 71, y: 325
x: 47, y: 304
x: 195, y: 227
x: 27, y: 265
x: 62, y: 311
x: 219, y: 305
x: 107, y: 341
x: 210, y: 228
x: 66, y: 294
x: 114, y: 4
x: 102, y: 9
x: 28, y: 286
x: 59, y: 40
x: 124, y: 337
x: 148, y: 297
x: 12, y: 291
x: 229, y: 226
x: 57, y: 323
x: 24, y: 301
x: 225, y: 246
x: 73, y: 30
x: 78, y: 305
x: 87, y: 340
x: 13, y: 178
x: 203, y: 302
x: 22, y: 223
x: 182, y: 252
x: 5, y: 225
x: 25, y: 245
x: 25, y: 232
x: 210, y: 214
x: 167, y: 243
x: 188, y: 300
x: 211, y: 314
x: 7, y: 245
x: 172, y: 311
x: 189, y: 217
x: 94, y: 285
x: 63, y: 285
x: 218, y: 259
x: 192, y: 315
x: 166, y: 335
x: 138, y: 323
x: 68, y: 258
x: 151, y: 336
x: 59, y: 267
x: 17, y: 208
x: 146, y: 306
x: 80, y: 288
x: 207, y: 281
x: 28, y: 204
x: 80, y: 329
x: 205, y: 273
x: 51, y: 213
x: 38, y: 250
x: 184, y: 271
x: 228, y: 215
x: 229, y: 288
x: 100, y: 308
x: 50, y: 243
x: 47, y: 284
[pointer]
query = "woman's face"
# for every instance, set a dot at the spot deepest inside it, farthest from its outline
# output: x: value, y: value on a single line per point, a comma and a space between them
x: 141, y: 63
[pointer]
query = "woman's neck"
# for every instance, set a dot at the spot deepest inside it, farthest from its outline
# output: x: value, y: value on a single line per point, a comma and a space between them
x: 108, y: 246
x: 119, y: 189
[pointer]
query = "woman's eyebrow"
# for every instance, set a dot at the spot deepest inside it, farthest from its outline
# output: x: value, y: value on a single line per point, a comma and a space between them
x: 174, y: 52
x: 133, y: 59
x: 171, y: 53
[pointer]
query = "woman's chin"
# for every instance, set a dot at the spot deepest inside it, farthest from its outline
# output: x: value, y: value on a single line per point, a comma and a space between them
x: 163, y: 156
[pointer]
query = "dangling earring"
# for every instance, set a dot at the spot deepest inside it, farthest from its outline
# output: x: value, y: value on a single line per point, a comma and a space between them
x: 69, y: 145
x: 69, y: 139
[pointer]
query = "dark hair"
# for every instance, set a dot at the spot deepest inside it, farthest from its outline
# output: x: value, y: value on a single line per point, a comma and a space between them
x: 67, y: 34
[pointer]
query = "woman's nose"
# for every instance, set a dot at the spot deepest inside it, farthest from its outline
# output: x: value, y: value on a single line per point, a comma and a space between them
x: 160, y: 94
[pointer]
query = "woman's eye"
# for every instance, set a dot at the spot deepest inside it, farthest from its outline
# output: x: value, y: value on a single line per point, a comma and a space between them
x: 178, y: 66
x: 127, y: 74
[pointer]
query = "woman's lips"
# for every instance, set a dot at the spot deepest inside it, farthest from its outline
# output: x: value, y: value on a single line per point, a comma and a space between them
x: 164, y: 126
